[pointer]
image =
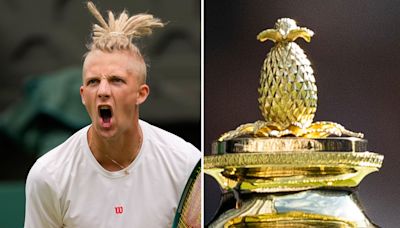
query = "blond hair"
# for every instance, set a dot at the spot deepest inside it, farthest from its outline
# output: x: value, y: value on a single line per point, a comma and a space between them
x: 118, y: 34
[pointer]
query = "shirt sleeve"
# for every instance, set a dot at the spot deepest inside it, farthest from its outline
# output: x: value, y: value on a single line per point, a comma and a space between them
x: 193, y: 156
x: 42, y: 209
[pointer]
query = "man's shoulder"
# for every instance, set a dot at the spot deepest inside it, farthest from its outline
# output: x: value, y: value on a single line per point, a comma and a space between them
x: 163, y: 137
x: 170, y: 145
x: 169, y: 151
x: 58, y: 157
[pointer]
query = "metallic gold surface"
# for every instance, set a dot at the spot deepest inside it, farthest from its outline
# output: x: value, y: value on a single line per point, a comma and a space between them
x: 287, y: 92
x: 289, y: 144
x: 290, y: 219
x: 312, y: 208
x: 290, y: 171
x: 286, y: 171
x: 260, y: 128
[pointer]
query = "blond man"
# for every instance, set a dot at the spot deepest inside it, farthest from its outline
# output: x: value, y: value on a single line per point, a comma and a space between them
x: 119, y: 171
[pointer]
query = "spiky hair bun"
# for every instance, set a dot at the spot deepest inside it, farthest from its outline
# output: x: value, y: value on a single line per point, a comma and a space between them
x: 119, y: 33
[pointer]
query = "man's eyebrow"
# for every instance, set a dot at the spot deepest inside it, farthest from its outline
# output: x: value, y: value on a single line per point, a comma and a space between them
x: 114, y: 76
x: 91, y: 77
x: 88, y: 78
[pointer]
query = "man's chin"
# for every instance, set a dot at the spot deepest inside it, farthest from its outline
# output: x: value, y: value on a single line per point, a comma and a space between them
x: 105, y: 132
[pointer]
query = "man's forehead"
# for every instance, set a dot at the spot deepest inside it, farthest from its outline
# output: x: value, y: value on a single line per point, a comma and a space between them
x: 120, y: 61
x: 114, y: 56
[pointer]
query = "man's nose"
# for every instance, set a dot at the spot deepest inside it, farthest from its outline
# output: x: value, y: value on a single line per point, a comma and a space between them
x: 104, y: 89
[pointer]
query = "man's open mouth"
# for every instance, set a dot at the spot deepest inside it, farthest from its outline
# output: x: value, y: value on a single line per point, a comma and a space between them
x: 105, y: 113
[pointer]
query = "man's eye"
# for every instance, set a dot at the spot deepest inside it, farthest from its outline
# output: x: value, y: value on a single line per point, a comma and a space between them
x: 117, y: 80
x: 92, y: 81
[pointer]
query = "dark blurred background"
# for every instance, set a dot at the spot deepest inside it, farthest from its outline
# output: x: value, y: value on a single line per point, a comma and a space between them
x: 42, y: 44
x: 356, y: 58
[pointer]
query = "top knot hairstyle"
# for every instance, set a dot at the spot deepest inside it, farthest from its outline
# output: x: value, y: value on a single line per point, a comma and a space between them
x: 118, y: 33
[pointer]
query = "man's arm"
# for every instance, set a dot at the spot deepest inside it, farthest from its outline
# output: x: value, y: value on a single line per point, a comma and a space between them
x: 42, y: 209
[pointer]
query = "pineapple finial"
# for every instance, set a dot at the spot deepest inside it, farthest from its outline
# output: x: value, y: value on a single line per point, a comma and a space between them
x: 287, y: 92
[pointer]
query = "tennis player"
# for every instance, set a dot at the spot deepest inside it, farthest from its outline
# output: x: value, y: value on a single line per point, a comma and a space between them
x: 119, y: 171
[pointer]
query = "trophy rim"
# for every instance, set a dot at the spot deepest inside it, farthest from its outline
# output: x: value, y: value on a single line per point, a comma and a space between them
x: 302, y: 158
x: 292, y: 144
x: 291, y: 171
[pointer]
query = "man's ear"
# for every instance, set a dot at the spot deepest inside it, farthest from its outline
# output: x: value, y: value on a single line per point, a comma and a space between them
x: 82, y: 96
x: 143, y: 93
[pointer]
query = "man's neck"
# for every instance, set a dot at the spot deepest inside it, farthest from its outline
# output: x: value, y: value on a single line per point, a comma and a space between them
x: 117, y: 152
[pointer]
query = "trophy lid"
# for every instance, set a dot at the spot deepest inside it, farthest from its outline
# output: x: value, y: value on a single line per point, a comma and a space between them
x: 287, y: 151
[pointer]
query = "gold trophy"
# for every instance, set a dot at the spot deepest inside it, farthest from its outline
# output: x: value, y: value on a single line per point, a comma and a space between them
x: 288, y: 171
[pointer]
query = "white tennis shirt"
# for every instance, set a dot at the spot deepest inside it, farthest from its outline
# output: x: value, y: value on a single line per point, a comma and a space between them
x: 67, y: 187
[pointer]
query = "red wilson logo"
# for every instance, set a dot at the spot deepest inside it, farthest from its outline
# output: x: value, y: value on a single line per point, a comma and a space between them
x: 119, y: 210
